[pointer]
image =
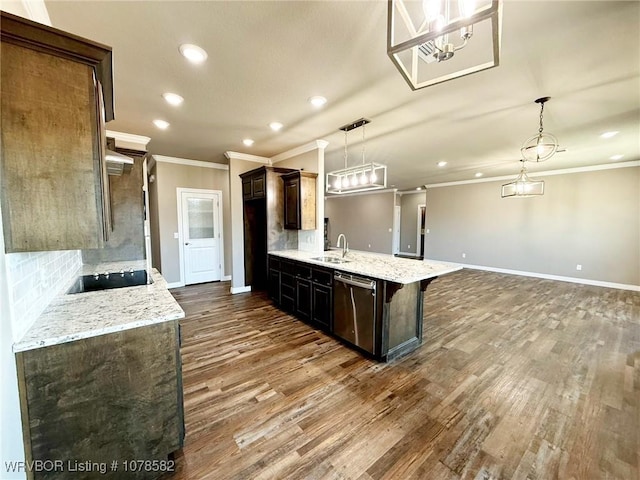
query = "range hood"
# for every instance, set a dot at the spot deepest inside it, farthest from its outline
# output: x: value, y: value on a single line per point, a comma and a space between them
x: 117, y: 163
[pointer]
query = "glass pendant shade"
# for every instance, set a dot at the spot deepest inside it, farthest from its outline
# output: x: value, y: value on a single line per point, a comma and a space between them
x: 523, y: 187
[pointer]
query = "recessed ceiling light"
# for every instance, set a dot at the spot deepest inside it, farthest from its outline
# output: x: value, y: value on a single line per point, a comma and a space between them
x: 193, y: 53
x: 616, y: 157
x: 442, y: 163
x: 609, y: 134
x: 418, y: 188
x: 478, y: 175
x: 275, y: 126
x: 248, y: 142
x: 317, y: 101
x: 161, y: 124
x: 173, y: 98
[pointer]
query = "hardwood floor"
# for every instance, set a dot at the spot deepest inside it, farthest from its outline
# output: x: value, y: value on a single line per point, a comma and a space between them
x: 518, y: 378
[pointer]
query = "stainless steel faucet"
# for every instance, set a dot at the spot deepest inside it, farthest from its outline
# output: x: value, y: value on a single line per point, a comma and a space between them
x: 345, y: 245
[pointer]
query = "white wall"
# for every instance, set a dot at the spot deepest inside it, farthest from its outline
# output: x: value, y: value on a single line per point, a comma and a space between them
x: 311, y: 161
x: 587, y: 218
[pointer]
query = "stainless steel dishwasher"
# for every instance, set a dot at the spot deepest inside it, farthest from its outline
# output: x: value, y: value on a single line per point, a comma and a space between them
x: 354, y: 310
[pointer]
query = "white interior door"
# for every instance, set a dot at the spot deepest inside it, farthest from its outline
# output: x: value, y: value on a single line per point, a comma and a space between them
x: 200, y: 236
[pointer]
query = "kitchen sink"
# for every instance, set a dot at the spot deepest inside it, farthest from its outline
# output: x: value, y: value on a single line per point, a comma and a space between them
x: 105, y: 281
x: 327, y: 259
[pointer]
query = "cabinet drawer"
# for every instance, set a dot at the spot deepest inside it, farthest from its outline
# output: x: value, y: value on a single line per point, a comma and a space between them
x: 288, y: 267
x: 323, y: 277
x: 303, y: 271
x: 274, y: 262
x: 288, y: 280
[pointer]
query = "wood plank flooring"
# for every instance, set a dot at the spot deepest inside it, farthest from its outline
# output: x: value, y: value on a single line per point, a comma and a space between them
x: 518, y: 378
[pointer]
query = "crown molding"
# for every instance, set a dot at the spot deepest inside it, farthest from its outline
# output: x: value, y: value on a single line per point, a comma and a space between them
x: 247, y: 157
x: 561, y: 171
x: 309, y: 147
x: 37, y: 11
x: 139, y: 141
x: 190, y: 163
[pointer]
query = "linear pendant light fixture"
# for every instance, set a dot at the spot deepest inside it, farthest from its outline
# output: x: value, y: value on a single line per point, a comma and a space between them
x: 424, y: 38
x: 359, y: 178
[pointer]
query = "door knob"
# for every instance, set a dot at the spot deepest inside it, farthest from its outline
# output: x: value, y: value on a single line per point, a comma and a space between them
x: 187, y: 243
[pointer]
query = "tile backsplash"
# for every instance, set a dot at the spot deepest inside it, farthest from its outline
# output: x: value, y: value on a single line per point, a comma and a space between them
x: 34, y: 279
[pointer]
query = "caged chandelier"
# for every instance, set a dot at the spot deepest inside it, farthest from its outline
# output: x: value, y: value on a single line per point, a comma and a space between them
x: 538, y: 148
x: 424, y: 37
x: 358, y: 178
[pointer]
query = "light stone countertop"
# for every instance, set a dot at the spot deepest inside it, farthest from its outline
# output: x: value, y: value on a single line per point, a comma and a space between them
x: 72, y: 317
x: 374, y: 265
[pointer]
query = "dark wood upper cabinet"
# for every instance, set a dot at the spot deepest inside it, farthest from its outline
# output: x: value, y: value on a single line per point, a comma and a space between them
x: 300, y: 200
x: 254, y: 185
x: 56, y: 94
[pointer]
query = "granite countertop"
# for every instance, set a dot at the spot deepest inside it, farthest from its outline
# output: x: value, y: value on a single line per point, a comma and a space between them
x: 375, y: 265
x: 71, y: 317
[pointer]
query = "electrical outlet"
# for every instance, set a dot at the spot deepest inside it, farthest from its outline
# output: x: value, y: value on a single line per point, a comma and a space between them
x: 578, y: 267
x: 176, y: 235
x: 409, y: 247
x: 427, y: 230
x: 369, y: 245
x: 464, y: 255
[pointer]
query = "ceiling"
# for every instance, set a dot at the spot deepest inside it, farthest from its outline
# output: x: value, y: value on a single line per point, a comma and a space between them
x: 266, y: 58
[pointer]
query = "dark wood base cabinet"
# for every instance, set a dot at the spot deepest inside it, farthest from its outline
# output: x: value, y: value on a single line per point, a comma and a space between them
x: 307, y: 291
x: 105, y: 399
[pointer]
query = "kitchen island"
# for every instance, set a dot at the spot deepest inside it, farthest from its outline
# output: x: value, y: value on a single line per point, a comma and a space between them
x: 100, y: 380
x: 373, y: 302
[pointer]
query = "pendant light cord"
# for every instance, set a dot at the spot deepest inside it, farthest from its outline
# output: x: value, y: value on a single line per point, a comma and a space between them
x: 363, y: 143
x: 345, y: 149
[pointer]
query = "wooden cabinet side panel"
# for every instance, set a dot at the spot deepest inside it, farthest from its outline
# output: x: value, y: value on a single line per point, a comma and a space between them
x: 103, y: 398
x: 49, y: 187
x: 403, y: 315
x: 307, y: 203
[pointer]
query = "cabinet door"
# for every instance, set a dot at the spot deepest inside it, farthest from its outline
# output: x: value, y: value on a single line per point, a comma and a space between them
x: 288, y: 292
x: 246, y: 189
x: 292, y: 203
x: 258, y: 186
x: 322, y: 306
x: 274, y: 285
x: 303, y: 299
x: 51, y: 170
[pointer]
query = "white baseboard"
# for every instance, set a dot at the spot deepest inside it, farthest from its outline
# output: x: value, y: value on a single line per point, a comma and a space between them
x: 235, y: 290
x: 560, y: 278
x: 175, y: 285
x: 225, y: 278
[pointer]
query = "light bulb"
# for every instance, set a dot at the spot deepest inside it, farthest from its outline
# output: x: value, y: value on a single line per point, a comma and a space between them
x: 345, y: 182
x: 431, y: 9
x: 363, y: 179
x: 354, y: 180
x: 373, y: 178
x: 337, y: 184
x: 466, y: 7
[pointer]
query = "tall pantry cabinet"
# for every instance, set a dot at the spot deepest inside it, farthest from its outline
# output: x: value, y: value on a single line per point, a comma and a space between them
x: 263, y: 206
